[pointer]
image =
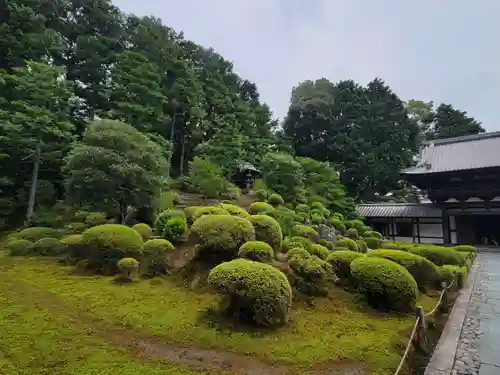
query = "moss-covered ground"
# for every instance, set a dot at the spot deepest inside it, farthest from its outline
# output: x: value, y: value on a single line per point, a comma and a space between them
x: 55, y: 322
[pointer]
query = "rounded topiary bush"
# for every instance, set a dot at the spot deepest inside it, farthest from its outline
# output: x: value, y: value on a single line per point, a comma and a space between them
x: 234, y: 210
x: 49, y: 246
x: 439, y: 255
x: 362, y: 246
x: 175, y: 229
x: 256, y: 250
x: 260, y: 208
x: 107, y: 244
x: 303, y: 208
x: 312, y: 274
x: 209, y: 210
x: 20, y: 247
x: 163, y: 217
x: 275, y: 200
x: 372, y: 233
x: 328, y: 244
x: 466, y: 248
x: 352, y: 233
x: 306, y: 232
x: 338, y: 224
x: 299, y: 252
x: 357, y: 224
x: 221, y: 236
x: 268, y: 230
x: 348, y: 243
x: 144, y: 230
x: 320, y: 251
x: 34, y: 234
x: 296, y: 242
x: 385, y: 284
x: 261, y: 194
x: 451, y: 273
x: 423, y: 270
x: 373, y: 243
x: 341, y: 263
x: 129, y: 268
x: 74, y: 247
x: 318, y: 219
x: 155, y: 256
x: 254, y: 292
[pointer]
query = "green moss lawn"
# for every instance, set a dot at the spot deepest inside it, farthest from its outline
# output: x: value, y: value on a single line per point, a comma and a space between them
x: 55, y: 322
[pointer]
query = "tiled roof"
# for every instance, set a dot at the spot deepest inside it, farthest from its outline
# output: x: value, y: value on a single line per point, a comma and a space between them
x: 399, y: 210
x: 460, y: 153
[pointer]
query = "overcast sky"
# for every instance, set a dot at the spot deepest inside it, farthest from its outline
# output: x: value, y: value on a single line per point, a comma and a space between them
x: 445, y: 51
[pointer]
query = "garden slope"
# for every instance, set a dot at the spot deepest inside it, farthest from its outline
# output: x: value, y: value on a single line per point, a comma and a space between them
x: 75, y: 320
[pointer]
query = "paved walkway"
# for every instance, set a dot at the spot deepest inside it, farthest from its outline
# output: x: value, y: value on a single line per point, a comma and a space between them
x: 478, y: 351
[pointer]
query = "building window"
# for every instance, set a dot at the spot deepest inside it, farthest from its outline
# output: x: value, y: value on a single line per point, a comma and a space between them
x: 404, y: 229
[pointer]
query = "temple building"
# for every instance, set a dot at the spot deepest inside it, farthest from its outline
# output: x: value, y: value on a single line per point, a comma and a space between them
x: 461, y: 178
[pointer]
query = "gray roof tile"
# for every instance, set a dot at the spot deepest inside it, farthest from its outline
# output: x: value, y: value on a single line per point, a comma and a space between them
x: 399, y: 210
x: 461, y: 153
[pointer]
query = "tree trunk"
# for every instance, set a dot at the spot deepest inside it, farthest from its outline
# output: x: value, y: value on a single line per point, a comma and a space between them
x: 172, y: 134
x: 183, y: 151
x: 34, y: 181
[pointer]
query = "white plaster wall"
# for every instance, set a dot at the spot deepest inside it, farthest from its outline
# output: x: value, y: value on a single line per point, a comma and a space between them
x: 453, y: 238
x: 431, y: 230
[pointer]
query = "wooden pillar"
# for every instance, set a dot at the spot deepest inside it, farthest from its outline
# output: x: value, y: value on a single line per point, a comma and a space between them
x: 413, y: 225
x: 393, y: 228
x: 446, y: 228
x: 418, y: 229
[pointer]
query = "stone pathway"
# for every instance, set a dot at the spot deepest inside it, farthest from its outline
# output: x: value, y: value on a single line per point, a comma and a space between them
x: 478, y: 351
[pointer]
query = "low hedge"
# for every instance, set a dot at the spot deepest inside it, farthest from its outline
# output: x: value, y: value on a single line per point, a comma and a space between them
x: 341, y: 262
x: 254, y: 292
x: 49, y: 247
x: 345, y: 242
x: 144, y: 230
x: 466, y: 248
x: 385, y: 284
x: 235, y: 210
x: 268, y: 230
x: 259, y: 208
x: 20, y: 247
x: 373, y: 243
x: 320, y: 251
x: 306, y: 232
x: 221, y: 236
x: 256, y: 250
x: 423, y: 270
x: 439, y: 255
x: 451, y: 273
x: 34, y: 234
x: 296, y: 241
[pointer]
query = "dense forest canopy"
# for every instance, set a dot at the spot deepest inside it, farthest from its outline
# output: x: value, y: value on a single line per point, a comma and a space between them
x: 65, y: 63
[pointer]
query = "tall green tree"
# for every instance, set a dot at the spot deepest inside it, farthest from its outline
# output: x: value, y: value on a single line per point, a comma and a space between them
x: 449, y: 122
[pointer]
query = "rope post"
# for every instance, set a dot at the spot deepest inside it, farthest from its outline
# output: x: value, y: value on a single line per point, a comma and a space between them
x: 444, y: 303
x: 421, y: 342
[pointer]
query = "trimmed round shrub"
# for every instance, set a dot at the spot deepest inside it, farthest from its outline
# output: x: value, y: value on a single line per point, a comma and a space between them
x: 312, y: 275
x: 275, y: 200
x: 209, y: 210
x: 304, y: 208
x: 423, y: 270
x: 256, y: 250
x: 235, y: 210
x: 20, y: 247
x: 352, y: 233
x: 260, y: 208
x: 385, y: 284
x: 144, y: 230
x: 175, y: 229
x: 254, y: 292
x: 362, y: 246
x: 285, y: 218
x: 190, y: 212
x: 320, y: 251
x: 451, y: 273
x: 328, y: 244
x: 261, y: 194
x: 74, y: 247
x: 356, y: 224
x: 296, y: 241
x: 317, y: 206
x: 306, y: 232
x: 388, y: 245
x: 372, y: 233
x: 297, y: 252
x: 373, y: 243
x: 221, y: 235
x: 341, y: 263
x: 346, y: 242
x: 466, y: 248
x: 109, y: 243
x: 439, y: 255
x: 338, y: 215
x: 129, y: 268
x: 49, y: 246
x: 338, y: 224
x: 163, y: 217
x: 155, y: 254
x: 267, y: 230
x: 317, y: 219
x: 34, y: 234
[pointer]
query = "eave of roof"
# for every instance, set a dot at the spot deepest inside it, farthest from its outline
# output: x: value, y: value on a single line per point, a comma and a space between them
x: 399, y: 210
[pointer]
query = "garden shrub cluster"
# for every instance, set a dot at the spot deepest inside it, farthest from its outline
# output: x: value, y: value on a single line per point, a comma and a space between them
x: 34, y: 234
x: 312, y: 274
x: 144, y: 230
x: 256, y: 250
x: 20, y: 247
x: 156, y: 253
x: 235, y: 210
x: 341, y: 262
x: 439, y: 255
x: 267, y: 230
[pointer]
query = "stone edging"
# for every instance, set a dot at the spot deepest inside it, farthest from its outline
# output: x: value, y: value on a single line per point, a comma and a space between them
x: 442, y: 359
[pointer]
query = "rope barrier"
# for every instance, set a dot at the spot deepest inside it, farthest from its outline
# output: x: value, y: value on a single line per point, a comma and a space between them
x: 415, y: 327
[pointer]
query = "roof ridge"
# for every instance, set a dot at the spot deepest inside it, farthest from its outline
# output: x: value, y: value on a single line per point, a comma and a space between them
x: 463, y: 138
x: 396, y: 204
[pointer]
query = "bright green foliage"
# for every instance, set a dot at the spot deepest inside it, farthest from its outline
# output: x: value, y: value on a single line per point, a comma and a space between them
x: 296, y: 241
x: 317, y: 219
x: 34, y: 234
x: 275, y: 200
x: 352, y: 233
x: 221, y: 236
x: 20, y: 247
x: 144, y: 230
x: 439, y: 255
x: 267, y: 230
x: 190, y: 212
x: 209, y: 210
x: 113, y: 167
x: 261, y: 194
x: 234, y: 210
x: 451, y: 273
x: 49, y: 246
x: 297, y: 252
x: 425, y: 273
x: 155, y: 256
x: 305, y: 231
x: 348, y: 243
x: 372, y: 233
x: 109, y: 243
x: 128, y: 268
x: 285, y: 217
x: 207, y: 178
x: 163, y: 218
x: 448, y: 122
x: 341, y: 263
x: 328, y: 244
x: 260, y: 208
x: 362, y: 246
x: 466, y: 248
x: 284, y: 175
x: 301, y: 207
x: 176, y: 229
x: 355, y: 224
x: 312, y: 274
x: 385, y: 284
x: 256, y: 250
x: 74, y: 247
x: 373, y: 243
x: 254, y: 291
x: 338, y: 224
x: 320, y: 251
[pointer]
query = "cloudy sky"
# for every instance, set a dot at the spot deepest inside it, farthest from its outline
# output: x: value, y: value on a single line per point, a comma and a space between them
x: 445, y: 51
